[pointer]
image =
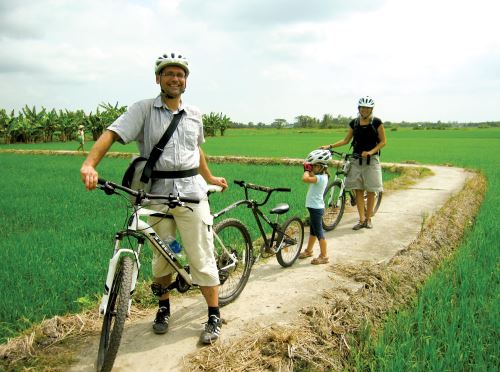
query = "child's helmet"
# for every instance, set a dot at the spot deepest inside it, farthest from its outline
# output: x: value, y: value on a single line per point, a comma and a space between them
x: 319, y: 157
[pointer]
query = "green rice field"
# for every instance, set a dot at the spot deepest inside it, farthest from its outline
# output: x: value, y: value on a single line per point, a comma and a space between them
x: 59, y: 236
x: 56, y: 239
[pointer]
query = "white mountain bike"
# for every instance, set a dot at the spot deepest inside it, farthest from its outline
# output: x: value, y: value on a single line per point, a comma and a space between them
x: 336, y: 194
x: 232, y: 251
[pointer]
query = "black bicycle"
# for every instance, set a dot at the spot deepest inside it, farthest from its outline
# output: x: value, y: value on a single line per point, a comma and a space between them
x: 285, y: 240
x: 336, y: 194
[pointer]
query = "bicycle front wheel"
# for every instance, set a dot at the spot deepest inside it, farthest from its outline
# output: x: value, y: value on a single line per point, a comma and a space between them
x: 334, y: 205
x: 116, y: 313
x: 291, y: 239
x: 233, y: 253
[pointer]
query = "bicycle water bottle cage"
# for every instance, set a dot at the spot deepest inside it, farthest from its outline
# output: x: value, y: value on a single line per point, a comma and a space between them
x: 158, y: 290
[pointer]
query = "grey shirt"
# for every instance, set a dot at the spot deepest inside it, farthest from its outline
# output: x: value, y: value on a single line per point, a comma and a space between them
x: 145, y: 122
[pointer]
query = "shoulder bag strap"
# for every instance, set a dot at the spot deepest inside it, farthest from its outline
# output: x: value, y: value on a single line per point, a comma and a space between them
x: 158, y: 148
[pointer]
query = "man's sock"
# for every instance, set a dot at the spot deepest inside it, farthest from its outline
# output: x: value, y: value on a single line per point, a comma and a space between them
x: 165, y: 303
x: 214, y: 311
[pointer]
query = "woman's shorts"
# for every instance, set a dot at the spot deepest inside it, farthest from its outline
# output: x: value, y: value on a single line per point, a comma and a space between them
x: 195, y: 229
x: 316, y: 217
x: 366, y: 176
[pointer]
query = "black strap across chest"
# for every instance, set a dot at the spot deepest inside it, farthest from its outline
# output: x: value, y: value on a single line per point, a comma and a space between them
x: 157, y: 150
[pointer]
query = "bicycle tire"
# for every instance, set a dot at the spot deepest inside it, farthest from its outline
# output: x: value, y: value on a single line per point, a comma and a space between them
x: 294, y: 229
x: 378, y: 200
x: 334, y: 206
x: 236, y: 238
x: 116, y: 313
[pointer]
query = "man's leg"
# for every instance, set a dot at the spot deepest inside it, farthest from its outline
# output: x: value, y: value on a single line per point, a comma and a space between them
x: 214, y: 323
x: 160, y: 324
x: 162, y: 274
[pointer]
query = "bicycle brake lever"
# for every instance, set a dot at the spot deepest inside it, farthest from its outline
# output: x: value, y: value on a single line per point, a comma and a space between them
x: 107, y: 188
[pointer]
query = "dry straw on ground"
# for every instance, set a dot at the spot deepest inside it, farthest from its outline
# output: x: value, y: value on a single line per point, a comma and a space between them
x: 322, y: 336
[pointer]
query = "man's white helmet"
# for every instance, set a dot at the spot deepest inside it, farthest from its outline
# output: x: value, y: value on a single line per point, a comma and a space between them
x: 366, y: 101
x: 171, y: 59
x: 319, y: 157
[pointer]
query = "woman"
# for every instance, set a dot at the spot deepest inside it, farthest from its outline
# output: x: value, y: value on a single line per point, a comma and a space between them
x: 368, y: 135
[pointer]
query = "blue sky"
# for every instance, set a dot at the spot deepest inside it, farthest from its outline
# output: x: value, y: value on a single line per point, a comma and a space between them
x: 258, y: 60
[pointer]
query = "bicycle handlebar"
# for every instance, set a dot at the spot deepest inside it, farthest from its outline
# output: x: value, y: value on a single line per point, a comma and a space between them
x: 261, y: 188
x: 268, y: 190
x: 172, y: 200
x: 346, y: 155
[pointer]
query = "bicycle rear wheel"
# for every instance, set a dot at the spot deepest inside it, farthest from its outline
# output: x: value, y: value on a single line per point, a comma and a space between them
x: 378, y: 200
x: 233, y: 253
x: 292, y: 236
x: 116, y: 313
x: 334, y: 205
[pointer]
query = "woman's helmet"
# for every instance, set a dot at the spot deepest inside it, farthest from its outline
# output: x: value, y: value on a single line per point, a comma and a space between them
x: 319, y: 157
x: 171, y: 59
x: 366, y: 101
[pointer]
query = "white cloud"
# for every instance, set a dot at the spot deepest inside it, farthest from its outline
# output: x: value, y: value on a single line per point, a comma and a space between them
x: 258, y: 60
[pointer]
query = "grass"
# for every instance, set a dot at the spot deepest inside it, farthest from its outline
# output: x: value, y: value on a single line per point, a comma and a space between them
x: 63, y: 234
x: 454, y: 323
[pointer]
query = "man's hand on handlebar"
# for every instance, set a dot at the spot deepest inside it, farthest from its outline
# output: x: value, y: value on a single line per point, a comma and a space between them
x: 219, y: 181
x: 89, y: 176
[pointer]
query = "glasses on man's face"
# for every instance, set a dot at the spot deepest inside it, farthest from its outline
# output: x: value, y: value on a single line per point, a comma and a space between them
x: 171, y: 75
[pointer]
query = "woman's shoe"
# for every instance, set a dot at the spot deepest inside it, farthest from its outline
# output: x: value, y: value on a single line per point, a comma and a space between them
x: 319, y: 260
x: 359, y: 225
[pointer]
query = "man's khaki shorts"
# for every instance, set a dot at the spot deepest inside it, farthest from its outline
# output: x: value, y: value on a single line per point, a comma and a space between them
x: 195, y: 229
x: 365, y: 177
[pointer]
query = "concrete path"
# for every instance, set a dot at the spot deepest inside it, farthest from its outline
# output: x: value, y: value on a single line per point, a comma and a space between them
x: 274, y: 294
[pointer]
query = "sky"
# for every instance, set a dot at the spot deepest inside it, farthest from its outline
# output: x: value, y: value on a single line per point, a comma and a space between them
x: 258, y: 60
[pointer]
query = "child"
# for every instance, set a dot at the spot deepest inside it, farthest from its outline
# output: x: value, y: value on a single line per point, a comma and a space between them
x: 316, y: 175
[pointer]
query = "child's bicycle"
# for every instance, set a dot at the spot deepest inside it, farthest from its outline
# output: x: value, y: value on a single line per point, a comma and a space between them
x: 336, y: 194
x: 285, y: 240
x: 233, y: 255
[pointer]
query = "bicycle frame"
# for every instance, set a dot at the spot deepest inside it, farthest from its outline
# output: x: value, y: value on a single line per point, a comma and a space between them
x: 257, y: 213
x: 140, y: 230
x: 342, y: 172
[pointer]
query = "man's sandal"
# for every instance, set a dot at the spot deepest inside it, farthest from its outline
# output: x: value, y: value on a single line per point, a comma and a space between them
x: 305, y: 254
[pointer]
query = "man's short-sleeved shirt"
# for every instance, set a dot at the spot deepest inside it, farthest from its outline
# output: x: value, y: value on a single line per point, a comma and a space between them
x: 145, y: 122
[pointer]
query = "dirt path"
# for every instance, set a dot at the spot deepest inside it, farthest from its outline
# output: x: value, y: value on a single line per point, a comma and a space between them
x: 275, y: 295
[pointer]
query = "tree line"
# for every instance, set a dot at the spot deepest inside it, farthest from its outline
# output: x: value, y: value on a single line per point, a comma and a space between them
x: 31, y: 125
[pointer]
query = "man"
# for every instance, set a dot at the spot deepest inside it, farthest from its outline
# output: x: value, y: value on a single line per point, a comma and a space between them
x: 145, y: 122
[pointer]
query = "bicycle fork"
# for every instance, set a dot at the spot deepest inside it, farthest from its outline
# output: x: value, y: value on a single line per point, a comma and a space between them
x: 331, y: 198
x: 118, y: 253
